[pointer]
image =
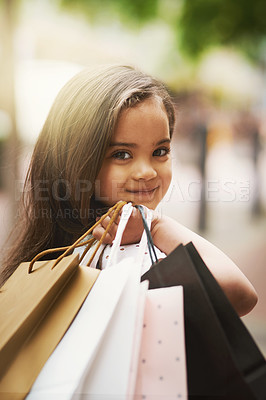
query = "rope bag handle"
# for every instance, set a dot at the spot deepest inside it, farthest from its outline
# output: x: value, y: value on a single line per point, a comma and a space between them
x: 151, y: 248
x: 67, y: 249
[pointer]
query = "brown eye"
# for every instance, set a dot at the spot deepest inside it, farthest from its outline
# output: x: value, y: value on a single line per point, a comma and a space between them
x: 121, y: 155
x: 163, y: 151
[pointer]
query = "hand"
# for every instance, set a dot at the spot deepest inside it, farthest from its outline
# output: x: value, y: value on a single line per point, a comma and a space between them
x: 132, y: 233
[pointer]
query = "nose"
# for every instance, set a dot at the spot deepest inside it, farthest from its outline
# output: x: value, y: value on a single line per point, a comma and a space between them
x: 144, y: 170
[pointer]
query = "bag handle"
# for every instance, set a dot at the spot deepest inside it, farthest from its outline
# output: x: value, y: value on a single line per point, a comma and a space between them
x: 126, y: 213
x: 145, y: 239
x: 151, y: 247
x: 116, y: 208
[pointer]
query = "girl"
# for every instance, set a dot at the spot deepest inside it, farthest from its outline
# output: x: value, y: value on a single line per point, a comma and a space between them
x: 107, y: 138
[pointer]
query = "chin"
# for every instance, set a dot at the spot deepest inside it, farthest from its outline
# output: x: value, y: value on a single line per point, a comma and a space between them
x: 151, y: 205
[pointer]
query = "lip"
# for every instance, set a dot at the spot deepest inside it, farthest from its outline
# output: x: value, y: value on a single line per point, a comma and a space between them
x: 142, y: 191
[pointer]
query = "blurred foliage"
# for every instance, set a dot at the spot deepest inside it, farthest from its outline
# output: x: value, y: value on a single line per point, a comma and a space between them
x: 136, y: 11
x: 204, y: 23
x: 199, y: 24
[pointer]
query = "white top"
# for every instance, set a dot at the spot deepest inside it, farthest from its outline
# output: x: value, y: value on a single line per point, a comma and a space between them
x: 129, y: 250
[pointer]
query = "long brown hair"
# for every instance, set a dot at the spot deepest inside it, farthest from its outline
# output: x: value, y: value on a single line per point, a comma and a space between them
x: 57, y: 204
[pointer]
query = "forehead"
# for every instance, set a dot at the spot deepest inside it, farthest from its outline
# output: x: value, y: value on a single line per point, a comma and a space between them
x: 145, y: 117
x: 146, y: 106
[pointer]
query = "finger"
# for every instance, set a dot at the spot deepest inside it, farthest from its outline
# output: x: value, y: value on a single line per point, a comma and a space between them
x: 108, y: 217
x: 117, y: 218
x: 98, y: 233
x: 136, y: 214
x: 105, y: 223
x: 112, y: 229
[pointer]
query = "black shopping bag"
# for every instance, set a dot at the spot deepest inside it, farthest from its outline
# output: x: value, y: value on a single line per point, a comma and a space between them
x: 223, y: 361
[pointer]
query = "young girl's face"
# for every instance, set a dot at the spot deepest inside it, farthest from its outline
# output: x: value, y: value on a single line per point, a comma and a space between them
x: 137, y: 165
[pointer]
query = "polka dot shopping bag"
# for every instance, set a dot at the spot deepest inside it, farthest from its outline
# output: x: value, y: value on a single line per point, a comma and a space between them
x: 162, y: 362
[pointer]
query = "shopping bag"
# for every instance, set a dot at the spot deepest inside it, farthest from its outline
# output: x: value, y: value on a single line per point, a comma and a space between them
x: 94, y: 358
x: 223, y: 361
x: 37, y: 305
x: 161, y: 372
x: 51, y: 319
x: 24, y: 300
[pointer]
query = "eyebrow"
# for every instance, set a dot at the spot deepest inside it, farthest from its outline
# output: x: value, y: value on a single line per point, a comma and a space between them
x: 121, y: 144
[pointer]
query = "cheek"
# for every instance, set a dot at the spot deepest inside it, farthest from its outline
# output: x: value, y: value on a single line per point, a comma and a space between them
x: 109, y: 179
x: 105, y: 174
x: 101, y: 181
x: 167, y: 177
x: 112, y: 175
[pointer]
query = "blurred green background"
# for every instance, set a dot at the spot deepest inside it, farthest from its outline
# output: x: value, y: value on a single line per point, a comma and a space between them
x: 212, y: 56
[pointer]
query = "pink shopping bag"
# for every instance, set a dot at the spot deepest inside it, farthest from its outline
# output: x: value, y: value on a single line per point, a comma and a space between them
x: 162, y: 362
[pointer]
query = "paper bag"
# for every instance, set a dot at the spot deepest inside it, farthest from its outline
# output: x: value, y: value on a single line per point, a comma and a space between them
x: 52, y: 298
x: 24, y: 300
x: 223, y: 361
x: 162, y: 362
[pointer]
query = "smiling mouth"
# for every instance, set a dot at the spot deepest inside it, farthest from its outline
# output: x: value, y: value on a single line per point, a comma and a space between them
x: 143, y: 191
